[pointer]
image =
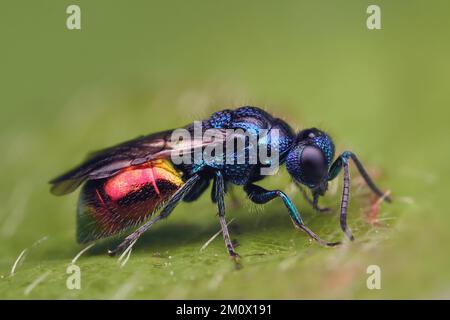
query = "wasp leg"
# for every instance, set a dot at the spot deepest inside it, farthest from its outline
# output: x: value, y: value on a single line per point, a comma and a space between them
x: 197, y: 190
x: 219, y: 192
x: 342, y: 162
x: 344, y: 203
x: 314, y: 202
x: 165, y: 212
x: 260, y: 195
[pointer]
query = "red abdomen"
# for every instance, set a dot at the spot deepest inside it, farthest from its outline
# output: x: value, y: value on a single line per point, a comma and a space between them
x: 107, y: 206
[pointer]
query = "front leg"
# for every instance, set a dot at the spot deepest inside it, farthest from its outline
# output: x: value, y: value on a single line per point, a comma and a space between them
x: 313, y: 202
x: 218, y: 195
x: 260, y: 195
x: 342, y: 162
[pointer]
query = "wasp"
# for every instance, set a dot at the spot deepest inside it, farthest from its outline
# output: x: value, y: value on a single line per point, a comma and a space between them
x: 127, y: 184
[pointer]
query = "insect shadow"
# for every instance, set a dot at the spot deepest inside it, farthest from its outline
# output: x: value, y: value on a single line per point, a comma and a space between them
x: 175, y: 234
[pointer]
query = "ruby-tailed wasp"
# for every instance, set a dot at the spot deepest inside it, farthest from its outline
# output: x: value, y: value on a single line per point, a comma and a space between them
x: 124, y: 185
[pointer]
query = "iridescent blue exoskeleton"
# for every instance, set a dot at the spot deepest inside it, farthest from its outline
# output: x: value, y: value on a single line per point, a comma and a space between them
x: 308, y: 156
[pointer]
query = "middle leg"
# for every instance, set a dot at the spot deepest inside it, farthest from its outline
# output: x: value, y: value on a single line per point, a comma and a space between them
x: 260, y: 195
x: 219, y: 193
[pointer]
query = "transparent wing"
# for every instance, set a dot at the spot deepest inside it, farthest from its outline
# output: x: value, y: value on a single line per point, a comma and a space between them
x: 108, y: 162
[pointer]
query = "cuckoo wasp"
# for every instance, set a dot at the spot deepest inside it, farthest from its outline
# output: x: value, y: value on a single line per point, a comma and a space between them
x: 127, y: 184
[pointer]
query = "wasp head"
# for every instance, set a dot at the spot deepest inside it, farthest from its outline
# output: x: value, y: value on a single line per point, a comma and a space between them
x: 310, y: 158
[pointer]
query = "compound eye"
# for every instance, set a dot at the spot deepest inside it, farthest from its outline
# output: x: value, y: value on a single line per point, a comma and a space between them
x: 313, y: 165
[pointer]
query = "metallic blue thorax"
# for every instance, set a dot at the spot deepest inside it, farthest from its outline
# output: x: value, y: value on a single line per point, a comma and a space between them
x: 253, y: 121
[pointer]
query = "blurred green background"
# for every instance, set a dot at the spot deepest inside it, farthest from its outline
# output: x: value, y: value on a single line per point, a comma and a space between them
x: 137, y: 67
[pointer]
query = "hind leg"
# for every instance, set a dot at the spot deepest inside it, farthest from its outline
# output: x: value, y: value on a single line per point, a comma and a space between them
x: 165, y: 212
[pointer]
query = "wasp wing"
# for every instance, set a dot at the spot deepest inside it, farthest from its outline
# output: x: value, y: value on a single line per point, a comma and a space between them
x: 108, y: 162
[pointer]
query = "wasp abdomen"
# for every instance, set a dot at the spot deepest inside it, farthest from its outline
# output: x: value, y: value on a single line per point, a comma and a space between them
x: 107, y: 206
